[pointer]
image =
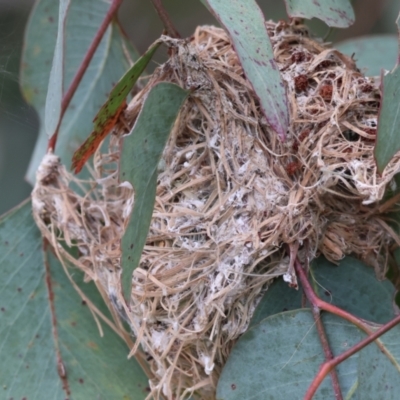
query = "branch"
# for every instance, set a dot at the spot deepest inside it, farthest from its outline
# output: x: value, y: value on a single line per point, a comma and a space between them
x: 168, y: 25
x: 329, y: 365
x: 316, y: 305
x: 327, y: 351
x: 83, y: 67
x: 311, y: 296
x: 315, y: 301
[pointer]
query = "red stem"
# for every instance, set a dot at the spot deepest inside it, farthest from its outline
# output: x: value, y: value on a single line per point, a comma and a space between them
x: 329, y: 365
x: 312, y: 297
x: 316, y: 305
x: 168, y: 25
x: 323, y: 305
x: 327, y: 351
x: 83, y: 67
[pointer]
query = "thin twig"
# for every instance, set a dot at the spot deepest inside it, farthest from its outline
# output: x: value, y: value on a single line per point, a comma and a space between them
x: 323, y: 305
x: 83, y: 67
x: 321, y: 333
x: 62, y: 373
x: 329, y: 365
x: 317, y: 303
x: 168, y: 25
x: 327, y: 352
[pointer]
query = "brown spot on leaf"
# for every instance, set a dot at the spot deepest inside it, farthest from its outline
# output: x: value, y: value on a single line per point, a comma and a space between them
x: 92, y: 345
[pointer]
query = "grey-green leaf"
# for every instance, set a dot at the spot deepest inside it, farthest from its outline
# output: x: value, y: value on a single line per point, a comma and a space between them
x: 387, y: 140
x: 379, y: 375
x: 244, y: 23
x: 350, y: 284
x: 111, y: 108
x: 278, y: 298
x: 353, y: 286
x: 335, y: 13
x: 96, y: 368
x: 372, y: 53
x: 109, y: 63
x: 55, y: 88
x: 141, y: 153
x: 279, y: 357
x: 28, y: 364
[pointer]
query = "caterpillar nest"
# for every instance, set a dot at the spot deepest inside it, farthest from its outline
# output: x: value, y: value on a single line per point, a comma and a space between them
x: 233, y: 202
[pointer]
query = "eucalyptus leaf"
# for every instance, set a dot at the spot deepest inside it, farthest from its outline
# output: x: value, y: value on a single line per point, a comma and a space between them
x: 387, y: 140
x: 111, y: 108
x: 353, y: 286
x: 379, y: 374
x: 335, y: 13
x: 278, y: 298
x: 244, y: 22
x: 350, y: 285
x: 279, y: 357
x: 28, y: 364
x: 121, y: 90
x: 109, y: 63
x: 141, y: 153
x: 95, y: 367
x: 372, y: 53
x: 55, y: 89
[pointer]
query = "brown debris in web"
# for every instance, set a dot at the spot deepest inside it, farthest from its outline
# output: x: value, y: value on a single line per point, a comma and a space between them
x: 230, y: 196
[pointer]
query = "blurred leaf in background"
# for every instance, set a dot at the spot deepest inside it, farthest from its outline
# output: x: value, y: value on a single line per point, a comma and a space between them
x: 18, y: 121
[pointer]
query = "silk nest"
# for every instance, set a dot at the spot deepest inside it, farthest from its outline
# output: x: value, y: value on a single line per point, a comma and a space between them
x: 235, y: 205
